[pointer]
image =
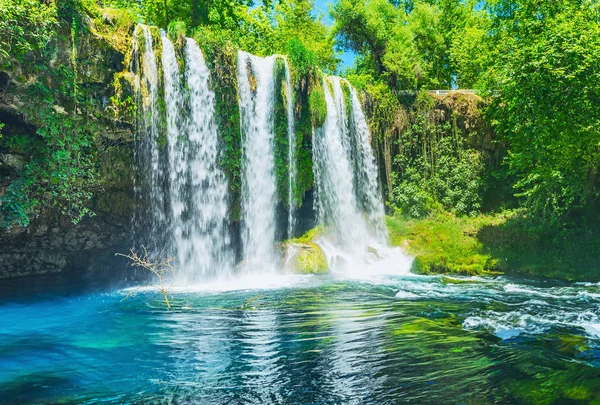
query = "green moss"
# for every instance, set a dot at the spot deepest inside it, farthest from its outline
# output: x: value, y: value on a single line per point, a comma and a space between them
x: 281, y: 138
x: 504, y: 242
x: 578, y: 392
x: 311, y: 260
x: 347, y: 97
x: 307, y: 257
x: 317, y: 104
x: 309, y: 236
x: 449, y: 280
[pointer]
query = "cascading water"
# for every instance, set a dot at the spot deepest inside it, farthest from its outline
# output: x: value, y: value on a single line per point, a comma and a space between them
x: 150, y: 191
x: 368, y: 190
x: 207, y: 248
x: 348, y: 202
x: 186, y: 191
x: 256, y: 92
x: 292, y: 166
x: 337, y: 207
x: 176, y: 155
x: 188, y: 200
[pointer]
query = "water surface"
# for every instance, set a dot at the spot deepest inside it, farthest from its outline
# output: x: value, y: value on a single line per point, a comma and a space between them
x: 305, y: 340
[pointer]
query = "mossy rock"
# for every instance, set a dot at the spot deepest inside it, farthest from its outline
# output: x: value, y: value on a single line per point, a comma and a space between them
x: 307, y: 258
x: 448, y: 280
x: 441, y: 264
x: 304, y: 256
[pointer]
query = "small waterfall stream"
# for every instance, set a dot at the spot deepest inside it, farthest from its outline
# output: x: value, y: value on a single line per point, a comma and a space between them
x: 292, y: 165
x: 149, y: 193
x: 368, y: 190
x: 336, y: 203
x: 256, y: 92
x: 348, y: 201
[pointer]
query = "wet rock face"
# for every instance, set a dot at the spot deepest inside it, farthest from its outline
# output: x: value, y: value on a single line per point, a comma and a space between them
x: 52, y: 244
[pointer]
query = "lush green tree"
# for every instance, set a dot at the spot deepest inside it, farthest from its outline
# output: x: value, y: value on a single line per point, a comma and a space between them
x: 294, y: 22
x: 408, y: 44
x: 545, y: 84
x: 377, y: 31
x: 470, y: 54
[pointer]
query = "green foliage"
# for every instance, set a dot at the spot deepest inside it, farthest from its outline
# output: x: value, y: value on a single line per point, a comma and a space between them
x: 408, y: 47
x: 304, y: 130
x: 302, y: 60
x: 295, y: 25
x: 444, y: 244
x: 435, y: 166
x: 317, y: 104
x: 281, y: 138
x: 546, y: 84
x: 26, y: 26
x: 177, y: 30
x: 61, y: 172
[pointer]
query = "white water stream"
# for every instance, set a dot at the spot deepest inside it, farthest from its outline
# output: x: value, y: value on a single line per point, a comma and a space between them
x: 256, y: 92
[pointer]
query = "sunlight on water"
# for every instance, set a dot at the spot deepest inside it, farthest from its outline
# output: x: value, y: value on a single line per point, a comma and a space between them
x: 304, y: 339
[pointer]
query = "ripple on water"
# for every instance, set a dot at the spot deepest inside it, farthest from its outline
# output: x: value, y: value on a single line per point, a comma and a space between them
x: 402, y: 338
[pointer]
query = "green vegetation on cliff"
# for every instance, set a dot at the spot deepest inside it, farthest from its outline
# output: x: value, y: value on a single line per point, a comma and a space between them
x: 58, y: 60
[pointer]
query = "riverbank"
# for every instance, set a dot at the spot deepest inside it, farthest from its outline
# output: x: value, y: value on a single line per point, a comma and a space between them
x: 489, y: 244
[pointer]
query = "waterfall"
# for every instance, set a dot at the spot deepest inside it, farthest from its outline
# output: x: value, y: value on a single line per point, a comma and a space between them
x: 187, y: 192
x: 176, y: 156
x: 348, y: 202
x: 369, y: 192
x: 149, y: 192
x: 292, y: 166
x: 207, y: 249
x: 336, y: 202
x: 256, y: 92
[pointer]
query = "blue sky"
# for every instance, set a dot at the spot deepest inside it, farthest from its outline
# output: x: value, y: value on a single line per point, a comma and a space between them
x: 322, y: 7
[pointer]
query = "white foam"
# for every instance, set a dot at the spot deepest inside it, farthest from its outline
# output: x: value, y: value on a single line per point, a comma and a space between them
x: 406, y: 295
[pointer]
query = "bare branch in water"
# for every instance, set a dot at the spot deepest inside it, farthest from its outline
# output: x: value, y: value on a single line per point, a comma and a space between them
x: 161, y: 267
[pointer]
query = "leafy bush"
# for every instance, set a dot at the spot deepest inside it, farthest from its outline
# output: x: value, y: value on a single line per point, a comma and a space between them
x: 26, y: 26
x: 301, y: 59
x: 434, y: 166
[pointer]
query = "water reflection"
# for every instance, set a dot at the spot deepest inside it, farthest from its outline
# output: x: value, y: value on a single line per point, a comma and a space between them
x: 329, y: 342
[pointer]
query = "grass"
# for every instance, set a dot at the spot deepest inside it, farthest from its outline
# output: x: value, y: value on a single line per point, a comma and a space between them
x: 488, y: 244
x: 444, y: 244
